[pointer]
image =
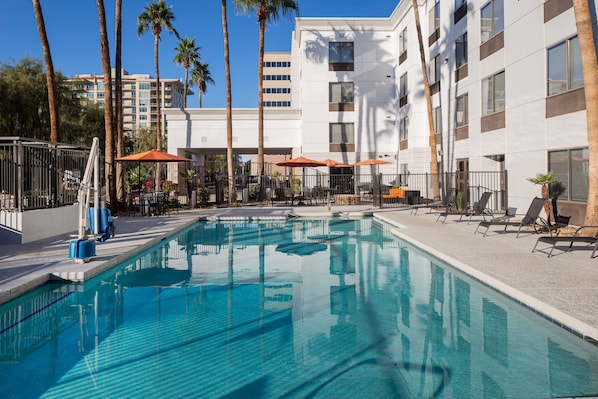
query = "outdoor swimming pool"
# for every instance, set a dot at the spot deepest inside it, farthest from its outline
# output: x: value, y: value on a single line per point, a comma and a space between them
x: 333, y: 308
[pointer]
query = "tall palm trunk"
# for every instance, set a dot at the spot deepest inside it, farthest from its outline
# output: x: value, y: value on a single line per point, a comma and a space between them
x: 158, y: 107
x: 589, y: 63
x: 120, y: 145
x: 260, y: 98
x: 428, y: 95
x: 199, y: 82
x: 108, y: 118
x: 50, y: 77
x: 186, y: 85
x: 229, y: 113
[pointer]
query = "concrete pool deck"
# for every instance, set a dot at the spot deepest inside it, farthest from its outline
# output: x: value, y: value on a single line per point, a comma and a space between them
x: 563, y: 288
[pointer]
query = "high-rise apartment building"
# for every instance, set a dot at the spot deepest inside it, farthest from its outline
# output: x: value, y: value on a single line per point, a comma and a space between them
x: 139, y: 97
x: 277, y: 79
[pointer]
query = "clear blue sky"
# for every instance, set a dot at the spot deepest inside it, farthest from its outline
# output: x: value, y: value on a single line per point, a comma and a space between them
x: 73, y: 32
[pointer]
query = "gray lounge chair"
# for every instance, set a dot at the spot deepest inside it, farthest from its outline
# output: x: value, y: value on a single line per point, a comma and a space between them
x: 446, y: 203
x: 531, y: 218
x: 480, y: 208
x: 576, y: 238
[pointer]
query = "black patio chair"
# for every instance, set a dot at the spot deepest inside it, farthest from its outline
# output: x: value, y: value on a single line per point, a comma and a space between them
x: 531, y: 218
x: 591, y: 241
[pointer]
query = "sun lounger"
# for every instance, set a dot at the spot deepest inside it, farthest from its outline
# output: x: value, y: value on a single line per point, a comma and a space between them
x: 576, y: 238
x: 531, y: 219
x: 480, y: 208
x: 446, y: 203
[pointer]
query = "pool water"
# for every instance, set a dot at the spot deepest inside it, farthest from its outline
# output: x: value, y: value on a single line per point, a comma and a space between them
x: 334, y: 308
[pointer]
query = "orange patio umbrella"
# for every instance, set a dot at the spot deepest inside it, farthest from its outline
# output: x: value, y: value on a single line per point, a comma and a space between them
x: 371, y: 162
x: 334, y: 164
x: 151, y: 156
x: 301, y: 162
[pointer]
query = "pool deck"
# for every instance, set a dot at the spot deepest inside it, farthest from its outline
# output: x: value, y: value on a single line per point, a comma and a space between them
x: 563, y: 288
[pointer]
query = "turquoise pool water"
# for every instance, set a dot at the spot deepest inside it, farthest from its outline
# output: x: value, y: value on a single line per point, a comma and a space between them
x: 332, y: 308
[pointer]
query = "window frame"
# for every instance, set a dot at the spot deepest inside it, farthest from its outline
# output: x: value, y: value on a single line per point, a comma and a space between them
x: 464, y: 100
x: 574, y: 175
x: 434, y: 65
x: 437, y: 117
x: 498, y: 24
x: 434, y: 17
x: 573, y: 78
x: 461, y: 57
x: 403, y: 43
x: 404, y: 128
x: 343, y: 126
x: 344, y: 47
x: 486, y: 110
x: 343, y: 87
x: 403, y: 85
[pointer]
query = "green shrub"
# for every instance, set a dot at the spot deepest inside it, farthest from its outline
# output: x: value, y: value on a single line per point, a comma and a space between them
x: 203, y: 197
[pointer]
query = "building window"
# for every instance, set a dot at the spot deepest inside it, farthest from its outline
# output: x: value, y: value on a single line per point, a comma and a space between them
x: 564, y: 67
x: 461, y: 50
x: 403, y: 41
x: 341, y: 92
x: 493, y: 94
x: 341, y: 133
x: 144, y: 86
x: 435, y: 17
x: 340, y: 52
x: 434, y: 72
x: 462, y: 111
x: 493, y: 19
x: 437, y: 114
x: 460, y: 3
x: 570, y: 167
x: 404, y: 128
x: 403, y: 86
x: 340, y: 56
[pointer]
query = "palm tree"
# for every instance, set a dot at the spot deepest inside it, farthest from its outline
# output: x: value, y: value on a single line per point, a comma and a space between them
x: 156, y: 16
x: 120, y: 145
x: 108, y: 121
x: 50, y: 77
x: 433, y: 155
x: 201, y: 74
x: 229, y: 110
x: 187, y: 55
x: 266, y: 11
x: 545, y: 180
x: 589, y: 63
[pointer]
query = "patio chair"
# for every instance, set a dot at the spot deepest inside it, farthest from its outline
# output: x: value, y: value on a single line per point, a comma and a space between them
x: 531, y: 218
x: 591, y: 241
x: 480, y: 208
x: 446, y: 203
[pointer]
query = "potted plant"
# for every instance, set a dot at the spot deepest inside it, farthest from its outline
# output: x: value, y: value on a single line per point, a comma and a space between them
x: 544, y: 180
x: 189, y: 175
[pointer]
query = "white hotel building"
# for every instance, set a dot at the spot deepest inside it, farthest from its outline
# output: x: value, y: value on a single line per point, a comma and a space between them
x: 506, y: 83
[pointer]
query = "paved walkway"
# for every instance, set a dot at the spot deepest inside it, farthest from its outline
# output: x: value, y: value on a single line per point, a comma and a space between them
x: 563, y: 287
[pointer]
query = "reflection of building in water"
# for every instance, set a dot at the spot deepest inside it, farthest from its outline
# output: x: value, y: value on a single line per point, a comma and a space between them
x: 356, y: 307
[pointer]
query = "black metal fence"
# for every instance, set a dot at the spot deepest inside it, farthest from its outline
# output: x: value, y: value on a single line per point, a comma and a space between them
x: 415, y: 188
x: 38, y: 174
